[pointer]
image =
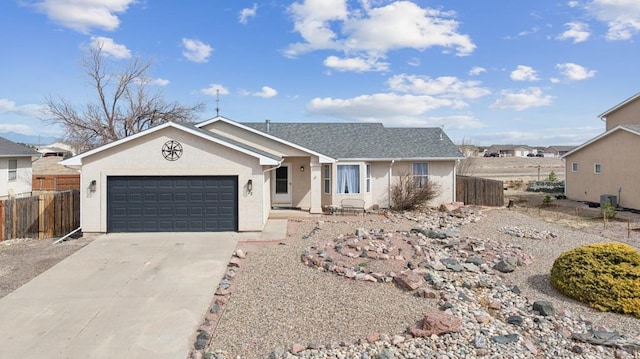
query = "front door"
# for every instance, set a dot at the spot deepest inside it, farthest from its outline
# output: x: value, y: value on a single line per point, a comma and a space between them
x: 281, y: 187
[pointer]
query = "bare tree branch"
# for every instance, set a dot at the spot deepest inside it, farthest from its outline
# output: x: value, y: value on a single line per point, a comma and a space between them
x: 124, y: 105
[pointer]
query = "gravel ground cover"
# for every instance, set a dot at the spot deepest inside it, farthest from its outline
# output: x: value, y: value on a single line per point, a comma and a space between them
x: 277, y: 301
x: 23, y: 259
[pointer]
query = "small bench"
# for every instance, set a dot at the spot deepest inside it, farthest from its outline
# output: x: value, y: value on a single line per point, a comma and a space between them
x: 354, y: 205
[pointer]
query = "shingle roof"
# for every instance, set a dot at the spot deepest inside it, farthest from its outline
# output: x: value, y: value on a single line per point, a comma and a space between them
x: 12, y: 149
x: 364, y: 140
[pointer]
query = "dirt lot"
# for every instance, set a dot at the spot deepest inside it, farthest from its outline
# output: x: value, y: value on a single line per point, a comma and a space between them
x: 23, y: 259
x: 513, y: 168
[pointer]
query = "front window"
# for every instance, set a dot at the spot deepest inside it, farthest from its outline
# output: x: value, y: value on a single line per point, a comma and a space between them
x: 13, y: 170
x: 420, y: 174
x: 368, y: 178
x: 327, y: 179
x: 348, y: 179
x: 574, y: 167
x: 597, y: 168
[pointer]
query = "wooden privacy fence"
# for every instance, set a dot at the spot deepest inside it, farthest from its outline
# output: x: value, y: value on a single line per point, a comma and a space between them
x: 44, y: 216
x: 479, y: 191
x: 66, y: 182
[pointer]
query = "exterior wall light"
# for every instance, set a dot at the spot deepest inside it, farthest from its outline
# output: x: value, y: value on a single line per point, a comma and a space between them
x: 92, y: 186
x: 250, y: 186
x: 301, y: 168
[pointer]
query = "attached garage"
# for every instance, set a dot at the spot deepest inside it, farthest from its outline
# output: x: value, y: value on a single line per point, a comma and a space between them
x: 172, y: 203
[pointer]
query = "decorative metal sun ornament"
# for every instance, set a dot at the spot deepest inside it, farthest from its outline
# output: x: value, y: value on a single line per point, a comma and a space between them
x: 172, y: 150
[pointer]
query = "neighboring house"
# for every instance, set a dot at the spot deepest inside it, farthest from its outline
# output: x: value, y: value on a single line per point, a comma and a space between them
x: 223, y: 175
x: 511, y: 150
x: 604, y: 167
x: 15, y: 168
x: 557, y: 151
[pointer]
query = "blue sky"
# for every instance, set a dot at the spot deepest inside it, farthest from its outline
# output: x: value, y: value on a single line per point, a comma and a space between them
x: 489, y: 72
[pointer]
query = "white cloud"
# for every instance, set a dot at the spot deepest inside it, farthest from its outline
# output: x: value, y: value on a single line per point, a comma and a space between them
x: 196, y: 50
x: 621, y: 16
x: 355, y: 64
x: 246, y: 13
x: 159, y: 82
x: 578, y: 32
x: 267, y: 92
x: 414, y: 61
x: 522, y: 100
x: 376, y: 106
x: 109, y: 47
x: 370, y: 32
x: 214, y: 90
x: 575, y: 72
x: 84, y: 15
x: 445, y: 86
x: 17, y: 128
x: 29, y: 110
x: 477, y: 70
x: 524, y: 73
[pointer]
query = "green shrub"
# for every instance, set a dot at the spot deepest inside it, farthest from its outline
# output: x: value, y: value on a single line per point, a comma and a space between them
x: 547, y: 200
x: 552, y: 177
x: 605, y: 275
x: 608, y: 210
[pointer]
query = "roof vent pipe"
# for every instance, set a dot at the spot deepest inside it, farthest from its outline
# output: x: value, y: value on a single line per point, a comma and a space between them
x: 267, y: 123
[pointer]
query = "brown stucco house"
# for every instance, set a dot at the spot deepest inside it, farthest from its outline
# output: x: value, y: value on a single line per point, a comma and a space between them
x: 222, y: 175
x: 604, y: 167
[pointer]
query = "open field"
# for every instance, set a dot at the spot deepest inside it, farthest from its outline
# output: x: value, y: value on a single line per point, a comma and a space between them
x: 513, y: 168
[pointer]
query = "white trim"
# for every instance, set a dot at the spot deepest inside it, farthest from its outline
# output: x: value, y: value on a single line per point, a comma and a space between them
x: 574, y: 164
x: 321, y: 158
x: 77, y: 160
x: 597, y: 138
x: 596, y: 165
x: 618, y: 106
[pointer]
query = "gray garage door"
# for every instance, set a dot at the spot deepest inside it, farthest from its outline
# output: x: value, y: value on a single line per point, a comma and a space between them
x: 172, y: 203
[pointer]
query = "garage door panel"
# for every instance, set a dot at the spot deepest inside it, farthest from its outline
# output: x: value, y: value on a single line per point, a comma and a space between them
x: 172, y: 203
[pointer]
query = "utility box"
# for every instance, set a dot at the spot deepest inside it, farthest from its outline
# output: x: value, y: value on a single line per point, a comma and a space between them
x: 613, y: 199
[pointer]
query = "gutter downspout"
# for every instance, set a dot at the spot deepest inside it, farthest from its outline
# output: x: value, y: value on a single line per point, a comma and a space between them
x: 389, y: 184
x: 263, y: 195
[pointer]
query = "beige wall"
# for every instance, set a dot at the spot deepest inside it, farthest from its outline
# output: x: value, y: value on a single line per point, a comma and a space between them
x: 620, y: 169
x: 628, y: 114
x: 441, y: 173
x: 143, y: 156
x: 22, y: 184
x: 258, y: 141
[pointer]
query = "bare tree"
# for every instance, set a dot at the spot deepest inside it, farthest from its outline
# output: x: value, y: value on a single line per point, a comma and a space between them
x: 409, y: 193
x: 124, y: 105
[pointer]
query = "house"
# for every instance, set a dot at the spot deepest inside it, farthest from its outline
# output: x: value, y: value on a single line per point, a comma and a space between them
x: 221, y: 175
x: 557, y: 151
x: 15, y: 166
x: 604, y: 166
x: 511, y: 150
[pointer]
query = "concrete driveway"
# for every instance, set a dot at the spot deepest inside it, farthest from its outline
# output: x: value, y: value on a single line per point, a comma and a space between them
x: 121, y: 296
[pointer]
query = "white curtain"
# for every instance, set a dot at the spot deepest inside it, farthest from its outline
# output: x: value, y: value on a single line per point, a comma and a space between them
x: 348, y: 179
x: 420, y: 174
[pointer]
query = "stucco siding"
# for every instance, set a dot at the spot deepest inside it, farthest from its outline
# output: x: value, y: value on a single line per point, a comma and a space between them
x: 619, y: 170
x: 258, y: 141
x: 22, y: 183
x: 143, y: 157
x: 441, y: 173
x: 629, y: 114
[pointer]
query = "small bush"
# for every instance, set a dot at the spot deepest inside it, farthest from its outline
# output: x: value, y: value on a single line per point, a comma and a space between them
x: 547, y: 200
x: 608, y: 210
x: 605, y: 275
x: 552, y: 177
x: 407, y: 195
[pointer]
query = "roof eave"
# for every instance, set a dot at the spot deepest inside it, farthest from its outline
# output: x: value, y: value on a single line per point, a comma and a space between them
x: 616, y: 107
x: 597, y: 138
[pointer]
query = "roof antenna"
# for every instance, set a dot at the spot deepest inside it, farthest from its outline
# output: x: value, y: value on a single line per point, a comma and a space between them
x: 217, y: 102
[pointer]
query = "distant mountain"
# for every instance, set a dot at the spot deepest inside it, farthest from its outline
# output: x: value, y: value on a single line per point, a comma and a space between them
x: 28, y: 139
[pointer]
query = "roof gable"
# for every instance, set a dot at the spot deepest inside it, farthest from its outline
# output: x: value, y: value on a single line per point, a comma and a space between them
x: 634, y: 129
x: 263, y: 157
x: 618, y: 106
x: 323, y: 158
x: 12, y: 149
